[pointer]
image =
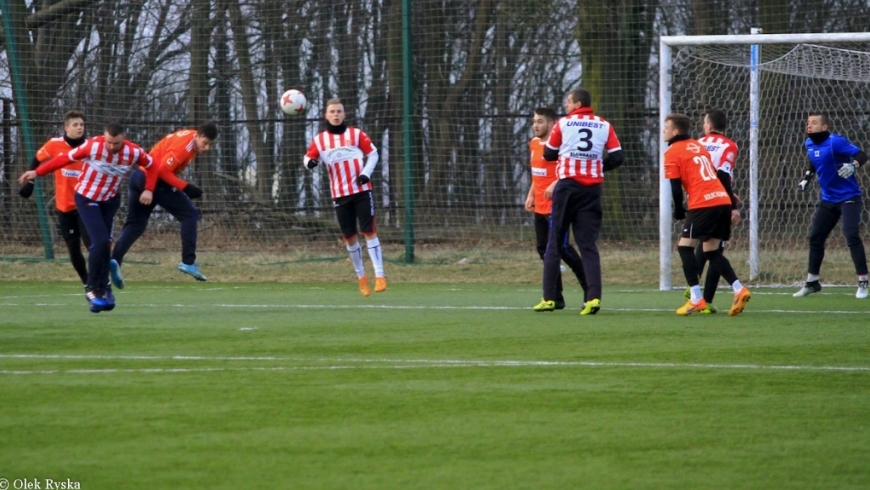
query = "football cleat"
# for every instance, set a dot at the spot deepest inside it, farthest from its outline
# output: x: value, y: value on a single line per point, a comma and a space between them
x: 192, y: 270
x: 97, y: 302
x: 545, y: 305
x: 560, y: 304
x: 740, y: 299
x: 380, y: 284
x: 689, y: 308
x: 115, y: 274
x: 709, y: 310
x: 808, y: 289
x: 110, y: 298
x: 861, y: 293
x: 364, y: 288
x: 591, y: 307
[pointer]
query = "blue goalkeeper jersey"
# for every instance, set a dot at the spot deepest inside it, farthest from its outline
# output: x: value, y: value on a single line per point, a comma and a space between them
x: 826, y: 158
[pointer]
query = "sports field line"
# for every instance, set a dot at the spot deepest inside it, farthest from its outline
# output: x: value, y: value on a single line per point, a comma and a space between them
x: 405, y: 307
x: 387, y: 363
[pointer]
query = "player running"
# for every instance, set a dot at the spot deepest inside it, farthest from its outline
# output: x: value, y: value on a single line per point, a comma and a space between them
x: 65, y: 180
x: 342, y: 149
x: 171, y: 155
x: 689, y: 166
x: 106, y: 160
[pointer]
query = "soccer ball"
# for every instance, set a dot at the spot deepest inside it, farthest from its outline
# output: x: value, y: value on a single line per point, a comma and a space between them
x: 293, y: 102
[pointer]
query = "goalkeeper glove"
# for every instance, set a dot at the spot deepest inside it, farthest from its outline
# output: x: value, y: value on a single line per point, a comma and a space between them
x: 847, y: 169
x: 311, y: 162
x: 806, y: 180
x: 192, y: 191
x: 679, y: 213
x: 26, y: 190
x: 363, y: 180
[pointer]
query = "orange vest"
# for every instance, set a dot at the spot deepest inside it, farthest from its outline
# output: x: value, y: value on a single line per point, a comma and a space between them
x: 543, y: 174
x: 66, y: 178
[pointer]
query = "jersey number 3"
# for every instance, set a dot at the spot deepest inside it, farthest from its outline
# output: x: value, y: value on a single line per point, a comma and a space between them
x: 585, y: 139
x: 705, y: 167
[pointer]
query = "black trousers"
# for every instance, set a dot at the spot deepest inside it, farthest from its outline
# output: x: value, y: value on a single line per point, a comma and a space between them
x: 571, y: 257
x: 73, y: 231
x: 575, y: 207
x: 825, y: 218
x: 98, y: 218
x: 167, y: 197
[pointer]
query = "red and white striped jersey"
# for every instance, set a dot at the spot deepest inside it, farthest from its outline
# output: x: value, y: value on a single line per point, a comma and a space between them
x: 723, y: 150
x: 583, y: 140
x: 343, y: 156
x: 102, y: 172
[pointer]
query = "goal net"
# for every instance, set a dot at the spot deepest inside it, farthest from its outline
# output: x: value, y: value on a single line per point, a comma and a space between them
x: 767, y: 85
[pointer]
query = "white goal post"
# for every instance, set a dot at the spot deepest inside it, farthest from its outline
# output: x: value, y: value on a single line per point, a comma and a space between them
x: 835, y: 57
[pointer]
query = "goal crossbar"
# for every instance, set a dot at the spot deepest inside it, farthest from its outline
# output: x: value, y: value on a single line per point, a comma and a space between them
x: 752, y: 41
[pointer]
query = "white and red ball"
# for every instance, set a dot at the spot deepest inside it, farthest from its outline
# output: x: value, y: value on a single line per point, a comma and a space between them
x: 293, y: 102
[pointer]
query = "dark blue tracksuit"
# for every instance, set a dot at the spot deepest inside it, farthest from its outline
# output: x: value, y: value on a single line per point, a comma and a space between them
x: 169, y: 198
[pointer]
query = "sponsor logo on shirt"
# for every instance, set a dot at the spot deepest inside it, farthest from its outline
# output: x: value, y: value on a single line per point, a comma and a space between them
x: 714, y: 195
x: 70, y: 173
x: 693, y: 148
x: 584, y: 124
x: 343, y: 153
x: 539, y: 172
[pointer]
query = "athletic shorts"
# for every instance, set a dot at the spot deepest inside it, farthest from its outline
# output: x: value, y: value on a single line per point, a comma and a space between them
x: 706, y: 223
x: 357, y: 207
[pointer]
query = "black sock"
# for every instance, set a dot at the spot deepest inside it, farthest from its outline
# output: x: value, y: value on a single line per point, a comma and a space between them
x: 690, y: 265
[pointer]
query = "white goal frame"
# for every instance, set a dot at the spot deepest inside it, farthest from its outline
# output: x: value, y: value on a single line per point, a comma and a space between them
x: 752, y: 42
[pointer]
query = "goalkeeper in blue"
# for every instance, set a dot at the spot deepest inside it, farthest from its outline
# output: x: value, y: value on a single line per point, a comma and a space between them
x: 834, y: 160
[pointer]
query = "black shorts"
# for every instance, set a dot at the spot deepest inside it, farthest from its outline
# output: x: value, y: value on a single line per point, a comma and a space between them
x: 349, y: 209
x: 70, y: 226
x: 706, y: 223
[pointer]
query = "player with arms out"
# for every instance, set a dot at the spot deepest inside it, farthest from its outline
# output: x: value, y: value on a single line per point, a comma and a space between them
x: 584, y: 147
x: 342, y: 149
x: 723, y: 153
x: 65, y: 179
x: 106, y: 160
x: 544, y: 174
x: 689, y: 166
x: 171, y: 155
x: 834, y: 160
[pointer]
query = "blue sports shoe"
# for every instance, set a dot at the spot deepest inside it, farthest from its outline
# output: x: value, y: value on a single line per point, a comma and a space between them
x: 192, y: 270
x: 97, y: 302
x: 115, y: 274
x: 110, y: 298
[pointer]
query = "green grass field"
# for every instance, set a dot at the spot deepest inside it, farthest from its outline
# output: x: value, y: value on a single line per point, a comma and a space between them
x: 279, y: 385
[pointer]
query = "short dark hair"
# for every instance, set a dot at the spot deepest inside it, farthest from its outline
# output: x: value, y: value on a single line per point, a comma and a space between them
x: 826, y: 121
x: 208, y: 129
x: 717, y: 118
x: 115, y: 128
x: 547, y: 112
x: 681, y: 122
x: 73, y: 114
x: 582, y: 96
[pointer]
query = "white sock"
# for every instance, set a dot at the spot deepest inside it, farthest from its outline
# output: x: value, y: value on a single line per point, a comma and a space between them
x: 374, y: 247
x: 812, y: 277
x: 696, y: 294
x: 355, y: 252
x: 862, y: 278
x: 736, y: 286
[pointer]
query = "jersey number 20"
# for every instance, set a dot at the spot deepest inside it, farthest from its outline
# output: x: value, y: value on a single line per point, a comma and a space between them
x: 705, y: 167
